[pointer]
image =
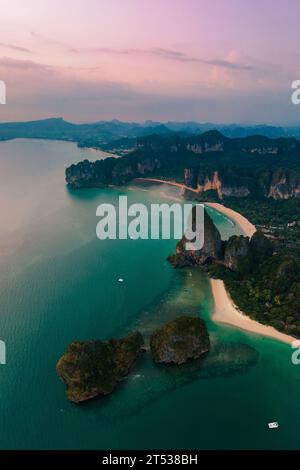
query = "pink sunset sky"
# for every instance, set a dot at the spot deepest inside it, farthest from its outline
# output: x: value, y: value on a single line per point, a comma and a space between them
x: 205, y: 60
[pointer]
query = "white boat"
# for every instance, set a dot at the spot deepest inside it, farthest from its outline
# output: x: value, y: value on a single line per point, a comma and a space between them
x: 273, y: 425
x: 120, y: 279
x: 136, y: 376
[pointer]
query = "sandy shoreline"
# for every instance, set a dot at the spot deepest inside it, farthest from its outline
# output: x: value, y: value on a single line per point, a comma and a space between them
x: 248, y: 228
x: 225, y: 311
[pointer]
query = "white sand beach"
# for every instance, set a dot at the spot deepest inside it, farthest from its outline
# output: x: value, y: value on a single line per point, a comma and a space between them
x: 225, y: 311
x: 248, y: 228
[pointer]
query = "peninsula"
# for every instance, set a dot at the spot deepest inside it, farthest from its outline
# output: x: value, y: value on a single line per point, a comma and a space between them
x: 225, y: 310
x: 230, y: 260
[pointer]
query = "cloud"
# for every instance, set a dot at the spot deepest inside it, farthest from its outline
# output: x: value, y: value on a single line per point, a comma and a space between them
x: 47, y: 40
x: 10, y: 63
x: 168, y: 54
x: 36, y: 90
x: 13, y: 47
x: 228, y: 65
x: 160, y: 52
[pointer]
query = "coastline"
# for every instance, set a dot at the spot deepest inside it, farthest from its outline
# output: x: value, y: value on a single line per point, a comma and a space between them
x: 225, y: 311
x: 248, y: 228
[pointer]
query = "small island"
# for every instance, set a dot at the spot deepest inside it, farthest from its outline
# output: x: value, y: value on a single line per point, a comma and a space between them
x: 92, y: 368
x: 180, y: 340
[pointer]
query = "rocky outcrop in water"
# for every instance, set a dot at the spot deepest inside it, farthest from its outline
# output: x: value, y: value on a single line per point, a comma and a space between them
x: 212, y: 247
x: 180, y: 340
x: 92, y: 368
x: 223, y: 360
x: 230, y: 253
x: 111, y: 171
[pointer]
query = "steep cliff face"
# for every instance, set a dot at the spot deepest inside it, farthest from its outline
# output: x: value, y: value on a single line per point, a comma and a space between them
x: 208, y: 181
x: 243, y: 253
x: 236, y: 249
x: 199, y: 144
x: 212, y: 247
x: 238, y: 252
x: 191, y: 177
x: 284, y: 184
x: 203, y: 181
x: 101, y: 173
x: 252, y: 166
x: 277, y: 184
x: 82, y: 175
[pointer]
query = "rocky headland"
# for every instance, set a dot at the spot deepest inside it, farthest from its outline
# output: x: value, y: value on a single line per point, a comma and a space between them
x: 261, y: 276
x: 234, y: 253
x: 247, y: 167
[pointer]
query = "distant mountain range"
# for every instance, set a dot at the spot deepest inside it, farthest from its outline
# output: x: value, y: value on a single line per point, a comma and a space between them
x: 123, y: 135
